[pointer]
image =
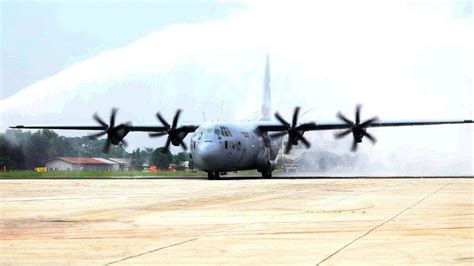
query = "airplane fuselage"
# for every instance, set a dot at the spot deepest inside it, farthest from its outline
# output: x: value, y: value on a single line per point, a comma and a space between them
x: 221, y: 147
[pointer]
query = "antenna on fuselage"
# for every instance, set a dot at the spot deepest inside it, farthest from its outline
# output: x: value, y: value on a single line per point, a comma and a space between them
x: 204, y: 116
x: 222, y: 110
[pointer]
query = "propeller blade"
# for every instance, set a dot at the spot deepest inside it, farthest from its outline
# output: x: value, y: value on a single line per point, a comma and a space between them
x: 370, y: 121
x: 354, y: 146
x: 99, y: 120
x: 303, y: 139
x: 343, y: 118
x: 166, y: 149
x: 279, y: 118
x: 278, y: 135
x: 343, y: 133
x: 175, y: 119
x: 295, y: 116
x: 124, y: 143
x: 183, y: 145
x: 158, y: 134
x: 97, y: 135
x: 288, y: 147
x: 357, y: 115
x: 107, y: 146
x: 112, y: 117
x: 357, y: 128
x: 162, y: 120
x: 371, y: 138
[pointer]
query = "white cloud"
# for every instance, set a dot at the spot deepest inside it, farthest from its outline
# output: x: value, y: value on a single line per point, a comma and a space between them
x: 402, y: 60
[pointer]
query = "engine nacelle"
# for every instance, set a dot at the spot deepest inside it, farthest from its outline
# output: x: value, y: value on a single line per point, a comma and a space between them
x: 272, y: 165
x: 117, y: 134
x: 176, y: 139
x: 262, y: 159
x: 263, y: 162
x: 358, y: 134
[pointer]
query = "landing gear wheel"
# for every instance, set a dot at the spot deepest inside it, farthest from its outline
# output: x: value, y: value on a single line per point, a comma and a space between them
x: 267, y: 174
x: 213, y: 175
x: 210, y: 176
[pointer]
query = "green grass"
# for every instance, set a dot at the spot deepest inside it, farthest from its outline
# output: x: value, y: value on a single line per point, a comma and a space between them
x: 93, y: 174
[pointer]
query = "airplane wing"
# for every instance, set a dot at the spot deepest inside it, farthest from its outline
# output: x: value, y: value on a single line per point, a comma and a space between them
x: 116, y: 133
x: 130, y: 128
x: 357, y: 127
x: 358, y: 131
x: 334, y: 126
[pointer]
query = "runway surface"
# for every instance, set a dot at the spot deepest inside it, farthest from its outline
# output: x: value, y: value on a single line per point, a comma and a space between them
x: 324, y: 221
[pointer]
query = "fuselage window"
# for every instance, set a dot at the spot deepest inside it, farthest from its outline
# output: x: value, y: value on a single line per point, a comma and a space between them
x: 245, y: 134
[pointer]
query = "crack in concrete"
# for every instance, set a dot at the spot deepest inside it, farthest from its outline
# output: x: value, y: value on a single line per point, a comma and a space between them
x: 379, y: 225
x: 151, y: 251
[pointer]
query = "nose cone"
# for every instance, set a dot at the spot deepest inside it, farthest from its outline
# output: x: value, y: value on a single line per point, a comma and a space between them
x: 208, y: 156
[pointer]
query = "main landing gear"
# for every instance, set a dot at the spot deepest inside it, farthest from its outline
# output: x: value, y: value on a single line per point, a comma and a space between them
x: 213, y: 175
x: 267, y: 173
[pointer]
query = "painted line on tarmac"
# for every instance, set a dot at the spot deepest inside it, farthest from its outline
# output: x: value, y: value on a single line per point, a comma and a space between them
x: 390, y: 219
x: 151, y: 251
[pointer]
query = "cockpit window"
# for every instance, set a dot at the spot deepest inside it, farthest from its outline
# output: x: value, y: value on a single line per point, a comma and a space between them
x: 219, y: 131
x: 198, y: 133
x: 226, y: 132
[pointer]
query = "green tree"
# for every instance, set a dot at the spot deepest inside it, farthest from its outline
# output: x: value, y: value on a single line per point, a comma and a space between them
x: 27, y: 150
x: 36, y: 150
x: 181, y: 157
x: 160, y: 159
x: 11, y: 156
x: 137, y: 160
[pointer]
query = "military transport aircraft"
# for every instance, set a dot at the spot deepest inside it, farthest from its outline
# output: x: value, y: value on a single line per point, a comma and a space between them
x: 220, y: 147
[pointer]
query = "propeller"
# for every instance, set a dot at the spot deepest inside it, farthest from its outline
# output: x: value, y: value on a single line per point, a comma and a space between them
x: 115, y: 134
x: 358, y: 130
x: 175, y: 134
x: 295, y: 132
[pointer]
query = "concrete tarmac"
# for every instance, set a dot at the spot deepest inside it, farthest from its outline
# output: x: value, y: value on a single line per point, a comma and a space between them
x: 238, y: 221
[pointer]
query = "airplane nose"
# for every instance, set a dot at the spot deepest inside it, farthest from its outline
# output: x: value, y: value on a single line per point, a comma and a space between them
x: 209, y: 155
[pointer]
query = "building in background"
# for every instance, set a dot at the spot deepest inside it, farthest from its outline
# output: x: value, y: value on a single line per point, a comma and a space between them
x: 124, y: 163
x: 81, y: 164
x: 113, y: 166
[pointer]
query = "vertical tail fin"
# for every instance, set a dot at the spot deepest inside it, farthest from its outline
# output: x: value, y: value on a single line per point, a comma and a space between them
x: 266, y: 105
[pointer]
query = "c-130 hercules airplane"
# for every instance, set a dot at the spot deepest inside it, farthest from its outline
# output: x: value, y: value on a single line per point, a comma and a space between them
x: 220, y: 147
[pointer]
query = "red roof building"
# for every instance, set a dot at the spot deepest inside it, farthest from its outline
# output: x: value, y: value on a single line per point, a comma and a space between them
x: 81, y: 163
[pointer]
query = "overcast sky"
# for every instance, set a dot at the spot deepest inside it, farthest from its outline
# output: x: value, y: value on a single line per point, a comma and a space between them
x: 404, y: 60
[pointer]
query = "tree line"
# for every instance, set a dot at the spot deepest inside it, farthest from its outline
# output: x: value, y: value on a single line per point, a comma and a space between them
x: 26, y: 150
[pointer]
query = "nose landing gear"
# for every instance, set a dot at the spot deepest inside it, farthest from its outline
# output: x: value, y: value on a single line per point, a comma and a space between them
x: 213, y: 175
